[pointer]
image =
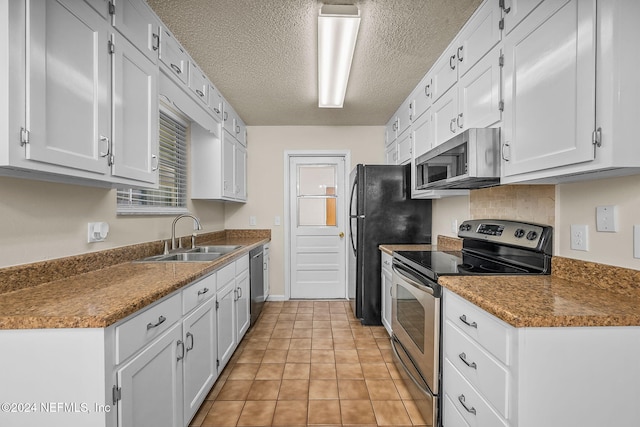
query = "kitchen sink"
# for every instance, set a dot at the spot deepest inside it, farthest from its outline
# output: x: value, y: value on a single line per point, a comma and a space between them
x: 197, y: 254
x: 221, y: 249
x: 184, y: 257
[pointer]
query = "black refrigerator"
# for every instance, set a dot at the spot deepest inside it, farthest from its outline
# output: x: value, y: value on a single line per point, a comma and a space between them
x: 381, y: 212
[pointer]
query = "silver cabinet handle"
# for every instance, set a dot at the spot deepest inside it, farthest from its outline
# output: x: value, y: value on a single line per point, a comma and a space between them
x: 199, y: 92
x: 506, y: 151
x: 203, y: 291
x: 154, y: 162
x: 104, y: 141
x: 463, y: 357
x: 471, y: 410
x: 464, y: 320
x: 235, y: 294
x: 460, y: 57
x: 452, y: 125
x: 459, y: 121
x: 156, y: 41
x: 181, y: 354
x: 452, y: 63
x: 239, y: 292
x: 237, y: 129
x: 190, y: 346
x: 226, y: 116
x: 160, y: 321
x: 217, y: 110
x: 176, y: 68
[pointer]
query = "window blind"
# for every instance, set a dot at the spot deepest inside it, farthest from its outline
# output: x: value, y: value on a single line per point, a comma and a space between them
x: 171, y: 195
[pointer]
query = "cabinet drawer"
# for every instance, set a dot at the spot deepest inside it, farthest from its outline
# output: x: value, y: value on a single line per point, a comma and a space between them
x: 198, y: 292
x: 144, y: 327
x: 481, y: 370
x: 473, y: 408
x: 451, y: 417
x: 485, y: 329
x: 225, y: 275
x: 242, y: 264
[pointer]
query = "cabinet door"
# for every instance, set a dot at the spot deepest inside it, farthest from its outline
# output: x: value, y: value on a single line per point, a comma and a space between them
x: 391, y: 154
x: 445, y: 117
x: 226, y: 324
x: 421, y: 97
x: 137, y: 23
x: 229, y: 118
x: 515, y: 11
x: 405, y: 148
x: 479, y: 36
x: 135, y: 118
x: 240, y: 172
x: 549, y: 112
x: 240, y: 131
x: 173, y: 55
x: 386, y: 291
x: 422, y: 134
x: 445, y: 72
x: 391, y: 131
x: 242, y: 303
x: 228, y: 165
x: 151, y: 384
x: 200, y: 372
x: 479, y: 93
x: 198, y: 83
x: 215, y: 101
x: 404, y: 116
x: 68, y: 85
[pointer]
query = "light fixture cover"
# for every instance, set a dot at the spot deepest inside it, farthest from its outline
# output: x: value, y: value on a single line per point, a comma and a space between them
x: 337, y: 32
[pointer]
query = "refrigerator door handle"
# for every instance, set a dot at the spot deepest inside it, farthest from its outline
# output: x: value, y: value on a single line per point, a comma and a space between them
x: 353, y: 245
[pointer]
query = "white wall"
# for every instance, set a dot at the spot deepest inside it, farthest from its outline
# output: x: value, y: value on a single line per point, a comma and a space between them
x: 41, y: 221
x: 576, y: 204
x: 265, y: 166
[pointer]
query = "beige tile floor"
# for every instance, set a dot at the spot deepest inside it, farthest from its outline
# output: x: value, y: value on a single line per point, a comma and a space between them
x: 310, y: 363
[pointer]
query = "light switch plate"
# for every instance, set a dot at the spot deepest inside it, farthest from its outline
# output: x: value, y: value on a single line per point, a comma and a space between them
x: 253, y: 220
x: 636, y: 241
x: 276, y: 220
x: 607, y: 218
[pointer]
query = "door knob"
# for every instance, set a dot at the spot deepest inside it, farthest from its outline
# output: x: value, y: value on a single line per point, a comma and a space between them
x: 341, y: 234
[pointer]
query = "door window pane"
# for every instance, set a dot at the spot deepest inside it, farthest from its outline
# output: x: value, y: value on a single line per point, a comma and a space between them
x: 317, y: 194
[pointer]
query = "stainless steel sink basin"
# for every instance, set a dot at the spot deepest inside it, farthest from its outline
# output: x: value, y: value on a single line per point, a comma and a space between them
x: 184, y: 257
x: 221, y: 249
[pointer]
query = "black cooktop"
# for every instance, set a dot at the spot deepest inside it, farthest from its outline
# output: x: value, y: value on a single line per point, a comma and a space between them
x: 450, y: 263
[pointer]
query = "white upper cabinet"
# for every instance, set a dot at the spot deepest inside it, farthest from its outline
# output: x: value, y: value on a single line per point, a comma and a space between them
x: 421, y: 97
x: 405, y: 148
x: 404, y: 116
x: 174, y: 56
x: 479, y: 36
x: 514, y: 11
x: 391, y: 131
x: 135, y: 114
x: 445, y: 116
x: 138, y: 24
x: 198, y: 83
x: 68, y: 119
x: 549, y: 81
x: 422, y: 134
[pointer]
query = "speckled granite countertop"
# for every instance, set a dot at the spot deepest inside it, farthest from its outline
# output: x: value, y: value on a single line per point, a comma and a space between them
x: 99, y: 298
x: 577, y: 293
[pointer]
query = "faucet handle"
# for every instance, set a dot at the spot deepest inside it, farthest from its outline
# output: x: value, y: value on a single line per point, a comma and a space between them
x: 193, y: 240
x: 166, y: 248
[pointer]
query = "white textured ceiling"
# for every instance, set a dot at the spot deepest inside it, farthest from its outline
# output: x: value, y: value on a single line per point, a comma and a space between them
x: 261, y: 54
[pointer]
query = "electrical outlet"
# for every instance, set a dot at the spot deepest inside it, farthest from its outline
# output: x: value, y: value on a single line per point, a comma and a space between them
x: 579, y: 237
x: 252, y: 220
x: 636, y: 241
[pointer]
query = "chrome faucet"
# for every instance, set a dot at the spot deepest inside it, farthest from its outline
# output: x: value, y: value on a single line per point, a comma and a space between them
x: 173, y: 227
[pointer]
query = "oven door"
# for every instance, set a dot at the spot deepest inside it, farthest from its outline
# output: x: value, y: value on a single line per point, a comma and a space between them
x: 415, y: 321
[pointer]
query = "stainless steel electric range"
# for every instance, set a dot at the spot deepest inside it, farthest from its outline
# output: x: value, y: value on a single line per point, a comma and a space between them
x: 489, y: 247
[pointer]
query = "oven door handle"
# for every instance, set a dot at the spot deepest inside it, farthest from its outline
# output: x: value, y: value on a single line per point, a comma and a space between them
x: 407, y: 370
x: 412, y: 279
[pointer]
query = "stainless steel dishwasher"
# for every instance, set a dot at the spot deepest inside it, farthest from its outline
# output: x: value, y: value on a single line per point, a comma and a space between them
x: 256, y: 271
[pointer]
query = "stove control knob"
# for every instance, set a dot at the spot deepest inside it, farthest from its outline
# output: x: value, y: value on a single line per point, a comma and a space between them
x: 519, y: 233
x: 532, y: 235
x: 465, y: 227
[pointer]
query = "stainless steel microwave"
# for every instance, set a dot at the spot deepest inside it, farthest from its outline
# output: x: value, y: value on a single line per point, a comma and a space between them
x: 468, y: 160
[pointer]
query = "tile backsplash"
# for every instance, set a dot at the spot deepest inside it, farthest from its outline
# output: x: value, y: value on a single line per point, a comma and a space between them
x: 528, y: 203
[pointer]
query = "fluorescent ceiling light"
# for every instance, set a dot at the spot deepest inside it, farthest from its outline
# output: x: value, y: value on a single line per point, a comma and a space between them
x: 337, y: 31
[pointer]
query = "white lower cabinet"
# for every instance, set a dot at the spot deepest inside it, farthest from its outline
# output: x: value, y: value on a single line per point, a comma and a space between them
x: 233, y: 307
x: 150, y: 385
x: 497, y: 375
x: 386, y: 290
x: 200, y: 370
